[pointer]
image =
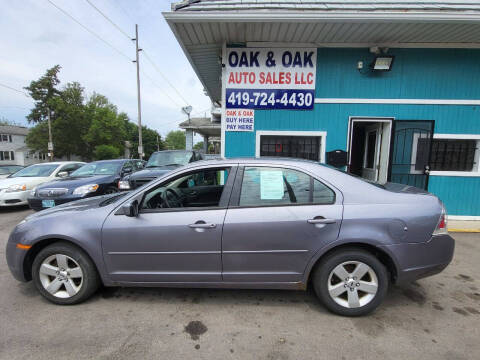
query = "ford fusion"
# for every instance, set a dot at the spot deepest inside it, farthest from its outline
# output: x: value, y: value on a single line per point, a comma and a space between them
x: 93, y: 179
x: 249, y: 223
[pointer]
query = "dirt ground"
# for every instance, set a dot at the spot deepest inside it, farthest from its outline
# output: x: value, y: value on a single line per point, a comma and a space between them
x: 434, y: 318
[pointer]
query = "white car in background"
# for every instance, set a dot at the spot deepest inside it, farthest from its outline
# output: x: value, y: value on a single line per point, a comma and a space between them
x: 15, y: 189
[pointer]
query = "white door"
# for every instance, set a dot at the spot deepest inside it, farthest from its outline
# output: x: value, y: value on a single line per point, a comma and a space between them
x: 371, y: 157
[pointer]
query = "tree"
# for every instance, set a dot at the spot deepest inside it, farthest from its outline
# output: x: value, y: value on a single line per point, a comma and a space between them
x: 105, y: 152
x: 152, y: 140
x: 43, y: 91
x: 175, y: 140
x: 107, y: 127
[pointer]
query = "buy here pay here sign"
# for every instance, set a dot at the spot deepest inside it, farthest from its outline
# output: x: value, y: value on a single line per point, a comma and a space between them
x: 270, y: 78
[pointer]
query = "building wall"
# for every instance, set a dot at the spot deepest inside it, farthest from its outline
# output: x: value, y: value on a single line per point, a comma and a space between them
x: 417, y: 74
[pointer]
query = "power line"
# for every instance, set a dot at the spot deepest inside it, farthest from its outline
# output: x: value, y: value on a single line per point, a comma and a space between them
x: 13, y: 89
x: 163, y: 76
x: 109, y: 20
x: 158, y: 86
x: 144, y: 51
x: 90, y: 31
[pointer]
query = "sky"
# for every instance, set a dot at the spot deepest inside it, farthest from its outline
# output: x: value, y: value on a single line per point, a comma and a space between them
x: 37, y: 36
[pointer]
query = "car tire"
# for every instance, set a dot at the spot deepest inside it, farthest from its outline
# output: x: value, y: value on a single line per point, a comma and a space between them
x: 63, y: 284
x: 351, y: 295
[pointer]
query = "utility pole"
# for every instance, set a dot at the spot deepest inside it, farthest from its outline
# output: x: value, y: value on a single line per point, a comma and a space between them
x: 140, y: 141
x: 50, y: 141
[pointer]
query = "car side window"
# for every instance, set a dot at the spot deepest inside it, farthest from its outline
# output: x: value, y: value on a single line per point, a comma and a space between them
x: 264, y: 186
x: 322, y: 194
x: 127, y: 167
x: 274, y: 186
x: 199, y: 189
x: 69, y: 168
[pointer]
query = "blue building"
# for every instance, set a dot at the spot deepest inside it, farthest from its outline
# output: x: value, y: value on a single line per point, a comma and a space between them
x: 387, y: 90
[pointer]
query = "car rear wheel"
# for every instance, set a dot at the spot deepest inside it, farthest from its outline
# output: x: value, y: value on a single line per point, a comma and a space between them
x: 351, y: 282
x: 64, y: 274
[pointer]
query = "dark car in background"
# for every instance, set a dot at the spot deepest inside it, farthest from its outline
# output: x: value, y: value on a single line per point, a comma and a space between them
x: 7, y: 170
x: 160, y: 163
x: 93, y: 179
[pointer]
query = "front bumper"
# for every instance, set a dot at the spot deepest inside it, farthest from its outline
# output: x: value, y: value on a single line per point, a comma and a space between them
x: 36, y: 202
x: 419, y: 260
x: 15, y: 261
x: 13, y: 198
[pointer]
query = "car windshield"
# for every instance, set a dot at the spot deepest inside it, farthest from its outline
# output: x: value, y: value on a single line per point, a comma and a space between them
x: 166, y: 158
x: 98, y: 168
x: 9, y: 169
x: 36, y: 171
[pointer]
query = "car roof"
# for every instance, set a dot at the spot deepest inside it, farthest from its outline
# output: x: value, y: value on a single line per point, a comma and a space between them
x: 113, y: 160
x: 58, y: 163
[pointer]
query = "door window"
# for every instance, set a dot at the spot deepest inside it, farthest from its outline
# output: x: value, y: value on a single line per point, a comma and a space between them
x: 265, y: 186
x: 199, y: 189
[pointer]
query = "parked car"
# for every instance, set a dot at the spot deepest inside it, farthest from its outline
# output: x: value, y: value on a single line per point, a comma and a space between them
x: 159, y: 164
x: 93, y: 179
x: 15, y: 189
x: 7, y: 170
x: 247, y: 223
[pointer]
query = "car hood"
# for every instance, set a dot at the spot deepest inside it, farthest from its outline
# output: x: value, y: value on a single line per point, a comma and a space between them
x: 74, y: 182
x: 29, y: 181
x: 78, y: 205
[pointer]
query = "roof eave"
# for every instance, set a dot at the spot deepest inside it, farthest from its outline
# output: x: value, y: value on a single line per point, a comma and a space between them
x: 333, y: 16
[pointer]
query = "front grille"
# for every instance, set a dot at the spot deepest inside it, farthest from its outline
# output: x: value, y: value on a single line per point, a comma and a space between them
x: 12, y: 201
x: 139, y: 182
x: 51, y: 193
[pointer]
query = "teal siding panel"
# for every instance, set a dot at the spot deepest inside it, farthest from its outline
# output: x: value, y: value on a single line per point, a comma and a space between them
x: 416, y: 74
x: 461, y: 195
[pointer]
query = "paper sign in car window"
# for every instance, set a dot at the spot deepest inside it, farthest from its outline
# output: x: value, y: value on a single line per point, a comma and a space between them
x: 271, y: 185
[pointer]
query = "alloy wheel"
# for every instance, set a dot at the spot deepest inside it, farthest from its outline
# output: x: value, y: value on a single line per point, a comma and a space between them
x: 61, y: 276
x: 352, y: 284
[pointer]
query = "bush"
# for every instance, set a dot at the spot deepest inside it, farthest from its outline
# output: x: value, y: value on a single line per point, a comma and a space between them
x: 105, y: 152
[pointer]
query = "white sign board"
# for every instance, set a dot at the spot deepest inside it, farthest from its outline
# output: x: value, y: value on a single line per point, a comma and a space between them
x: 271, y: 185
x: 271, y: 78
x: 239, y: 120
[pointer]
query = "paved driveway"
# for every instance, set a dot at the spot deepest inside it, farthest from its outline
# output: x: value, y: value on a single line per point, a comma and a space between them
x: 435, y: 318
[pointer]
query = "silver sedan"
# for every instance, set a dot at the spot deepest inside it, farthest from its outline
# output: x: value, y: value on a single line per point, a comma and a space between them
x: 240, y: 223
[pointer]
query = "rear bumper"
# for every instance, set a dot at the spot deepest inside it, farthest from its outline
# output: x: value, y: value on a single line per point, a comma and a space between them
x: 419, y: 260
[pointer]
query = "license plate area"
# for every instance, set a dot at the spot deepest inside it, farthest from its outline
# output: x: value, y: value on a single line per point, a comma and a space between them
x: 48, y: 203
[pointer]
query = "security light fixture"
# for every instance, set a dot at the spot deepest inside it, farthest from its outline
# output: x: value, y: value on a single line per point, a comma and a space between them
x: 382, y: 63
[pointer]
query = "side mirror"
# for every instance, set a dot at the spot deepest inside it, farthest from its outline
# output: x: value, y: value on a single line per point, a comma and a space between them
x: 63, y: 174
x: 130, y: 209
x: 127, y: 170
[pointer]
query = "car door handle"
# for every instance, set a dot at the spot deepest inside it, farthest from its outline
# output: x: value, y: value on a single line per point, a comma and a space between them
x: 321, y: 221
x: 202, y: 225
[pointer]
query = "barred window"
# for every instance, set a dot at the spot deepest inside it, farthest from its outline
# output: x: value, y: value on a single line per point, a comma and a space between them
x: 453, y: 155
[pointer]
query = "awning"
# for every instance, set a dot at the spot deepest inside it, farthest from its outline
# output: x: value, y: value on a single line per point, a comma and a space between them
x: 202, y: 27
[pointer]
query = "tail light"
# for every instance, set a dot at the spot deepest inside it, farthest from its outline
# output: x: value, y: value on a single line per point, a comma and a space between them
x: 442, y: 223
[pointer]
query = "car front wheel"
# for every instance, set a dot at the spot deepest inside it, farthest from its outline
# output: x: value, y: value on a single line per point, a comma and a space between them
x: 64, y: 274
x: 351, y: 282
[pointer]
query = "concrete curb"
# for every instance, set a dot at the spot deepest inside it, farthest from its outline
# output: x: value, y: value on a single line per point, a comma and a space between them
x: 464, y: 230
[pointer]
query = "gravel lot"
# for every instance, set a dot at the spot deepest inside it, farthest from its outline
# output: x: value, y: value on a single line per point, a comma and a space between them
x: 435, y: 318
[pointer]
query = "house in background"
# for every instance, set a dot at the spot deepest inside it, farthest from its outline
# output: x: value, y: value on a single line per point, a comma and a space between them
x: 13, y: 149
x: 387, y: 90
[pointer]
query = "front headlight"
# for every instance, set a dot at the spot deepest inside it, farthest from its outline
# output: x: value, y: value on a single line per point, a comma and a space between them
x: 32, y: 193
x: 123, y: 185
x: 85, y: 189
x: 17, y: 188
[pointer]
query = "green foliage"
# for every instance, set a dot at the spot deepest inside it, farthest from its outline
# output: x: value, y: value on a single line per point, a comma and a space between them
x: 198, y: 145
x: 175, y: 140
x: 105, y: 152
x: 82, y: 126
x: 43, y: 91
